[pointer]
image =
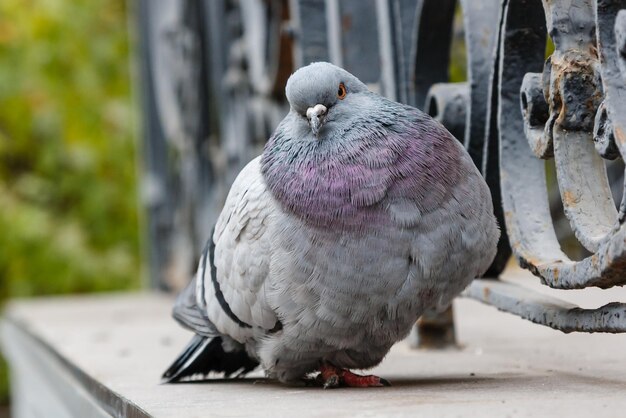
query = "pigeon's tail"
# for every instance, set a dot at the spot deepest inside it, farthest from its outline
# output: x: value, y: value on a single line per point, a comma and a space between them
x: 204, y: 355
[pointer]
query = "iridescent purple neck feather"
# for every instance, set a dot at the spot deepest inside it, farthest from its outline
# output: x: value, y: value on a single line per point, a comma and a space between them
x: 370, y: 155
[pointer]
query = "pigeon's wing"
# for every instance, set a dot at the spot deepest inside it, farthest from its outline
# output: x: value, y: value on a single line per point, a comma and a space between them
x: 226, y: 298
x: 231, y: 279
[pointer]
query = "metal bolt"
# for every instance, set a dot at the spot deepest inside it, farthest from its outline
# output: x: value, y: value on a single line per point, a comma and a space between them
x: 603, y: 137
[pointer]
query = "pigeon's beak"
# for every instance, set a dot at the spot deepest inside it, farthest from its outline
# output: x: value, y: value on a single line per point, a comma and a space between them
x: 316, y: 116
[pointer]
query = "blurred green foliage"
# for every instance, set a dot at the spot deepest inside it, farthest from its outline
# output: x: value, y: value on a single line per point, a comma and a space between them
x: 458, y: 49
x: 68, y: 187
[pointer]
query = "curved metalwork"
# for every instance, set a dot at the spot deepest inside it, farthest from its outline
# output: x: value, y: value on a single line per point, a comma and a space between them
x: 572, y: 85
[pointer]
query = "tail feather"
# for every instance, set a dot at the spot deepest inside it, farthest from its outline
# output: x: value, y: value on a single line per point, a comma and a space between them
x: 204, y: 355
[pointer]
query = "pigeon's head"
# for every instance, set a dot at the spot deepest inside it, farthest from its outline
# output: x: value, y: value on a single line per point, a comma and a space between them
x: 322, y: 95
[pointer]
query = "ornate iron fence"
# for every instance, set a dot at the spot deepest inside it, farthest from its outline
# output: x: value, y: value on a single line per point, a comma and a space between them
x: 213, y: 74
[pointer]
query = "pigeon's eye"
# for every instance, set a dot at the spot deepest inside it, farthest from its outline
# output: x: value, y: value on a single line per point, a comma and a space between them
x: 341, y: 93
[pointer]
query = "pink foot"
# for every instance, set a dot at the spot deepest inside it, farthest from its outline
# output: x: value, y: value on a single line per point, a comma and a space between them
x: 332, y: 377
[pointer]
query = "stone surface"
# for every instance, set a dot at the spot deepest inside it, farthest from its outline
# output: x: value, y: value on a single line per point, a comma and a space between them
x: 504, y: 367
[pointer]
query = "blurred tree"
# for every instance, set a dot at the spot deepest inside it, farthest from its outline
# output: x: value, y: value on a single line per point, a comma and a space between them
x: 458, y: 50
x: 68, y: 186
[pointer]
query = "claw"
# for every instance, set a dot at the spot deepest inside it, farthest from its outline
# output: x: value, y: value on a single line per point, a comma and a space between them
x: 332, y: 382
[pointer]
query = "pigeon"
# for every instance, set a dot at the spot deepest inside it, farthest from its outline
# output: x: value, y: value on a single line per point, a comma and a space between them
x: 360, y: 214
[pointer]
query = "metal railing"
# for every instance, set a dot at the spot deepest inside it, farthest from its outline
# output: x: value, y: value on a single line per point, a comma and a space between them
x: 213, y: 74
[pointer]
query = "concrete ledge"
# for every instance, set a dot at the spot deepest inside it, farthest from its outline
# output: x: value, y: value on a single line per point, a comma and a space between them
x: 103, y: 355
x: 44, y: 383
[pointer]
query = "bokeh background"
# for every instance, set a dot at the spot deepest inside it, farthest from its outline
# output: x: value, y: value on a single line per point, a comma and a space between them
x: 68, y: 149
